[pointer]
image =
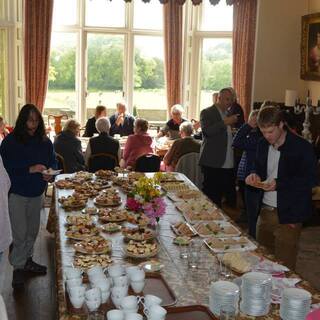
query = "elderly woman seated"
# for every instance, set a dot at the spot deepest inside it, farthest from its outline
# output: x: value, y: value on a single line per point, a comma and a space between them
x: 103, y: 143
x: 68, y: 146
x: 137, y: 144
x: 171, y: 129
x: 184, y: 145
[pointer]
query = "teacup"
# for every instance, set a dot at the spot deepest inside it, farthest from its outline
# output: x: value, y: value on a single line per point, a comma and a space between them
x: 103, y: 284
x: 130, y: 304
x: 93, y: 294
x: 117, y: 294
x: 105, y: 296
x: 115, y: 315
x: 93, y: 305
x: 76, y: 302
x: 95, y: 270
x: 77, y: 292
x: 149, y: 300
x: 131, y: 270
x: 137, y: 286
x: 116, y: 270
x: 72, y: 273
x: 120, y: 281
x: 76, y: 282
x: 96, y: 277
x: 133, y: 316
x: 138, y: 275
x: 156, y: 313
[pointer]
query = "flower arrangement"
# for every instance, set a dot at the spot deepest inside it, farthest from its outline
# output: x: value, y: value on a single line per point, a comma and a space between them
x: 146, y: 196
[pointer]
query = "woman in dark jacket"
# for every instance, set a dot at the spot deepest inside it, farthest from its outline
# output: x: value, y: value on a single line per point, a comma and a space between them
x: 68, y: 146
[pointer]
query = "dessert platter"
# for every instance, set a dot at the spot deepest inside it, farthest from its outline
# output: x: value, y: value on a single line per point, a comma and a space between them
x: 110, y: 227
x: 232, y: 244
x: 203, y: 215
x: 127, y: 184
x: 138, y: 218
x: 141, y: 249
x: 82, y: 176
x: 110, y: 215
x: 108, y: 198
x: 167, y: 177
x: 81, y: 232
x: 240, y: 262
x: 77, y: 220
x: 85, y: 191
x: 138, y: 234
x: 104, y: 174
x: 183, y: 229
x: 200, y: 204
x: 93, y: 245
x: 64, y: 184
x: 90, y: 210
x: 182, y: 240
x: 184, y: 195
x: 85, y: 261
x: 175, y: 186
x: 216, y: 229
x: 70, y: 203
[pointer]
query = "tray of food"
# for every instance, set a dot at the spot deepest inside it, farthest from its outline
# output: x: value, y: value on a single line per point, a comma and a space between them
x: 240, y: 262
x: 85, y: 261
x: 137, y: 218
x: 138, y: 234
x: 83, y: 176
x: 90, y: 210
x: 232, y: 244
x: 104, y: 174
x: 216, y: 229
x: 93, y: 245
x: 112, y: 215
x: 184, y: 195
x: 141, y: 249
x: 81, y: 232
x: 70, y: 203
x: 110, y: 227
x: 64, y: 184
x: 108, y: 198
x: 200, y: 204
x: 77, y: 220
x: 183, y: 229
x: 203, y: 215
x: 175, y: 186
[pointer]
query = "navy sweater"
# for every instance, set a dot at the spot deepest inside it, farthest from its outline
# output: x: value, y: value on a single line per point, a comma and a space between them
x: 18, y: 158
x: 296, y: 177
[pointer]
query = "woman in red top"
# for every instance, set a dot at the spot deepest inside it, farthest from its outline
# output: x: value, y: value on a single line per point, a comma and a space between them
x: 138, y: 143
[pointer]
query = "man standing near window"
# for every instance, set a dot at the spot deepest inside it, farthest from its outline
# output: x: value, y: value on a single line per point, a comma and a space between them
x: 121, y: 122
x: 216, y: 153
x: 285, y: 171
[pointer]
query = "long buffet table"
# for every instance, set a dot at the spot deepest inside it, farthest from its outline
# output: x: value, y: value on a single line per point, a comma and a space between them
x: 190, y: 287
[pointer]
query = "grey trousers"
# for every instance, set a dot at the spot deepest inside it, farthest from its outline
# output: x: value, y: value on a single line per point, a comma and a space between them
x: 25, y: 222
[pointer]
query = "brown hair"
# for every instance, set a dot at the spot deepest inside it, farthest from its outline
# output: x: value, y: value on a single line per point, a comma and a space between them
x: 99, y: 110
x: 269, y: 116
x: 142, y: 124
x: 71, y: 125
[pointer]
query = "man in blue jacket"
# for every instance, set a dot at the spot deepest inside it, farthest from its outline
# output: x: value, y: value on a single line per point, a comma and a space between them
x: 285, y: 172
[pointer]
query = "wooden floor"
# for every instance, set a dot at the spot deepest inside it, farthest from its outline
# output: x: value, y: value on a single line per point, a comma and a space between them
x: 37, y: 302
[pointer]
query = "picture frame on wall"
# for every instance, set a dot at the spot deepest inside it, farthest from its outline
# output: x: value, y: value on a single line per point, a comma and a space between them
x: 310, y: 47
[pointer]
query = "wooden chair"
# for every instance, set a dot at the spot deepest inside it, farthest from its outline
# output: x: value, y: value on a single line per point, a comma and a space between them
x: 102, y: 161
x: 61, y: 163
x: 148, y: 163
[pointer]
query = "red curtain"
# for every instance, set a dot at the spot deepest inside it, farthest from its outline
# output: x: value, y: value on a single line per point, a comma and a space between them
x: 38, y: 20
x: 244, y: 30
x: 173, y: 51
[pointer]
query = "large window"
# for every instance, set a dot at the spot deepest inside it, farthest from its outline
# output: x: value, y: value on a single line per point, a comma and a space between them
x: 103, y: 52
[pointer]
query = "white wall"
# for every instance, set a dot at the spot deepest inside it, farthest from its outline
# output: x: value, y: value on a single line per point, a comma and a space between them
x: 277, y: 55
x: 314, y: 86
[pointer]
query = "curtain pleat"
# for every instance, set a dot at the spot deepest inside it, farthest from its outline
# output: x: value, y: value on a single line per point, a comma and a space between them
x: 38, y: 21
x: 173, y: 51
x: 244, y: 29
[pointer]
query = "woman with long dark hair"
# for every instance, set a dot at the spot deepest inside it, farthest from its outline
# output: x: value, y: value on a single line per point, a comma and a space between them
x: 26, y: 153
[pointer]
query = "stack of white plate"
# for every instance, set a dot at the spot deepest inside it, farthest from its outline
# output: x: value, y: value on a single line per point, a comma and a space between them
x: 223, y: 293
x: 295, y: 304
x: 256, y: 293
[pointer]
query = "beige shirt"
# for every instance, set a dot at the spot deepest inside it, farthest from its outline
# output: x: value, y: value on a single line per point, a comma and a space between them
x: 5, y: 227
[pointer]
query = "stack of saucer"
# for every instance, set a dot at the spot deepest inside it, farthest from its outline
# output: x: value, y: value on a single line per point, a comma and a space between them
x: 295, y: 304
x: 223, y: 293
x: 256, y: 293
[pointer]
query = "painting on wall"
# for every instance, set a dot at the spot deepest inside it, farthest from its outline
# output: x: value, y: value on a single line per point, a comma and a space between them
x: 310, y: 47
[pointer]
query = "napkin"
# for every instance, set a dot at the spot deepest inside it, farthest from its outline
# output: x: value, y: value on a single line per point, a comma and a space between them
x: 268, y: 266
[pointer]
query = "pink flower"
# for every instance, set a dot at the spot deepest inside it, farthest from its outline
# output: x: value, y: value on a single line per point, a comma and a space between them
x: 133, y: 204
x: 154, y: 209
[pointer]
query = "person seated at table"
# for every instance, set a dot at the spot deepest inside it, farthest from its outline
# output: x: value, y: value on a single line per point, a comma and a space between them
x: 121, y: 122
x: 138, y: 143
x: 3, y: 130
x: 68, y: 145
x: 171, y: 129
x: 103, y: 143
x: 184, y: 145
x: 101, y: 111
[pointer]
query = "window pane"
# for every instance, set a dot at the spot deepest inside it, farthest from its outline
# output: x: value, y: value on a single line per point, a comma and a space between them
x: 65, y: 12
x: 3, y: 70
x: 216, y: 18
x: 148, y: 15
x: 105, y: 13
x: 105, y: 71
x: 61, y: 96
x: 216, y: 68
x: 149, y: 96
